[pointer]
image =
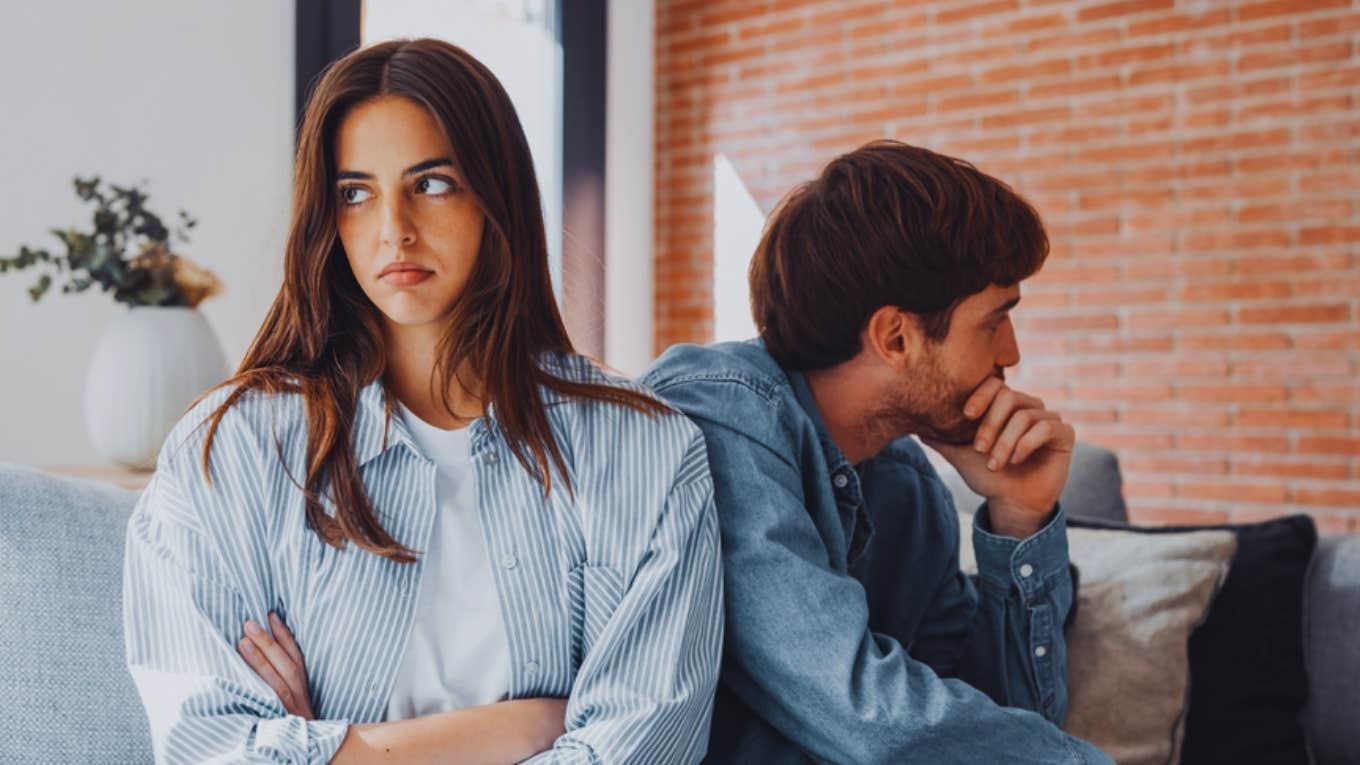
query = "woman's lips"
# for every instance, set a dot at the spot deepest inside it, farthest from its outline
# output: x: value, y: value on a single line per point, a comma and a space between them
x: 406, y: 278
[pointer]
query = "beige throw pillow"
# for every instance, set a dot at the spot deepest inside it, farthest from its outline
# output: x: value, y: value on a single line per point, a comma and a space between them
x: 1128, y: 667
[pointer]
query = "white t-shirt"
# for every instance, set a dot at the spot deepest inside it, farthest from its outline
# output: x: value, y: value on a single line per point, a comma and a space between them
x: 457, y: 655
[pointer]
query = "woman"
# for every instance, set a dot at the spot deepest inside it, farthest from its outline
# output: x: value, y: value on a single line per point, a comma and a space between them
x: 483, y: 546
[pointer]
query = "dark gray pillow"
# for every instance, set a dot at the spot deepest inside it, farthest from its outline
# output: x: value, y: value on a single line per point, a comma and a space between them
x: 68, y: 695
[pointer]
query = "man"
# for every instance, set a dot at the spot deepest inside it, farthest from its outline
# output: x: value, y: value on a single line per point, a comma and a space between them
x: 882, y: 291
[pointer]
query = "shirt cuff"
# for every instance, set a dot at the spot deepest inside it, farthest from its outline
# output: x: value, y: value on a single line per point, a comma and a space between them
x: 1031, y: 565
x: 294, y: 739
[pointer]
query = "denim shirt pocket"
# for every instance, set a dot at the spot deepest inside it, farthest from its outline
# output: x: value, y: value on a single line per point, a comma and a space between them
x: 595, y: 591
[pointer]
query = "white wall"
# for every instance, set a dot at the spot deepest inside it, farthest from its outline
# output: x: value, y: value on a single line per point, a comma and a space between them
x: 628, y: 185
x: 195, y: 97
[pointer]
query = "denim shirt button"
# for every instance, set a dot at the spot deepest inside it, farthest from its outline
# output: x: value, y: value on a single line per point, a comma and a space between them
x: 1026, y: 571
x: 840, y: 481
x: 1041, y: 651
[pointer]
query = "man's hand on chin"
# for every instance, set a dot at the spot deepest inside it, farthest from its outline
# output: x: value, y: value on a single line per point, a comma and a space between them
x: 1019, y: 458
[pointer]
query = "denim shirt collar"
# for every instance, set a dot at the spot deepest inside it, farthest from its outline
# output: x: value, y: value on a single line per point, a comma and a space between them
x: 846, y: 485
x: 835, y: 458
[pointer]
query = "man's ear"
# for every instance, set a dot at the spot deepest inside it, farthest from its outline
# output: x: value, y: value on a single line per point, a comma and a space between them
x: 893, y: 336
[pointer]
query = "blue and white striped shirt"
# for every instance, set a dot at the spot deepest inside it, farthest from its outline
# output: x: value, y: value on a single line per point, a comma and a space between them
x: 611, y: 599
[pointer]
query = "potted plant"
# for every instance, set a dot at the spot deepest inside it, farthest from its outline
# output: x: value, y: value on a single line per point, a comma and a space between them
x: 153, y: 360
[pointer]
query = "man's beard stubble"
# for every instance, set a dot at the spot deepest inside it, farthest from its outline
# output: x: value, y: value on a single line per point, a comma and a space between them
x: 930, y: 405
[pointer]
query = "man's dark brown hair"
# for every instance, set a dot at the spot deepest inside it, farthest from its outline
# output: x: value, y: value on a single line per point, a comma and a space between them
x: 886, y: 224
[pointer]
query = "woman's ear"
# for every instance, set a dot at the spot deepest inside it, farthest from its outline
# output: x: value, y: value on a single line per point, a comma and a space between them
x: 893, y: 336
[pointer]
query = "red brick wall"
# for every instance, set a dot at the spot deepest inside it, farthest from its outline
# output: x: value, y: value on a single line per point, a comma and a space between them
x: 1196, y: 163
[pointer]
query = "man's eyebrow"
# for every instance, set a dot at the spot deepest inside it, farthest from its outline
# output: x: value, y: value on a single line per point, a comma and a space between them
x: 1006, y: 306
x: 346, y: 175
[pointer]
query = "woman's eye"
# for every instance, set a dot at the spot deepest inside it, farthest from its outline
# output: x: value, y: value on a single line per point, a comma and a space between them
x: 353, y: 195
x: 434, y: 186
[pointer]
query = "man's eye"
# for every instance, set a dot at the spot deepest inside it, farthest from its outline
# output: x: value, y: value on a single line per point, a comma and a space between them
x: 353, y: 195
x: 434, y: 186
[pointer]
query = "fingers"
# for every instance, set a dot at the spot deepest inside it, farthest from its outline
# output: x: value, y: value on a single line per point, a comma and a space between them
x: 281, y: 665
x: 285, y: 639
x: 1053, y: 434
x: 258, y: 662
x: 1004, y: 402
x: 1021, y: 423
x: 982, y: 397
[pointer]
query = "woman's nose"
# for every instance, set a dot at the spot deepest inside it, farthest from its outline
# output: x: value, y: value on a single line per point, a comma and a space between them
x: 397, y: 230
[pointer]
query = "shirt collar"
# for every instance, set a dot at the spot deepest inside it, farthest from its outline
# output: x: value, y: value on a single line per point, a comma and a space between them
x: 375, y: 433
x: 835, y: 458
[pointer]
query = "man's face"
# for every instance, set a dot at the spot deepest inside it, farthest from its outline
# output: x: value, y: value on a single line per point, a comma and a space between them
x: 980, y: 344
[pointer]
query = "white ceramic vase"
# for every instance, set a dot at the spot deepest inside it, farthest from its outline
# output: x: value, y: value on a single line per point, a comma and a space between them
x: 149, y: 365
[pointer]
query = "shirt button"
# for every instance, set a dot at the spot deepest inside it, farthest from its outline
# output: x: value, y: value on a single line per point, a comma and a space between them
x: 531, y: 667
x: 490, y: 458
x: 840, y: 480
x: 509, y: 561
x: 1041, y: 652
x: 1026, y: 571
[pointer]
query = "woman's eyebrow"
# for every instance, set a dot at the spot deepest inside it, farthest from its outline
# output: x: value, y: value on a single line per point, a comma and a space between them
x: 346, y: 175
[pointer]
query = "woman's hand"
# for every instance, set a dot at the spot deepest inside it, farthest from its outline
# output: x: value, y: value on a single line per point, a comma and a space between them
x: 278, y: 661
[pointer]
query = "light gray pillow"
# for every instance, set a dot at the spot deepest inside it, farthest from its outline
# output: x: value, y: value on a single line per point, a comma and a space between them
x: 1128, y: 664
x: 68, y: 694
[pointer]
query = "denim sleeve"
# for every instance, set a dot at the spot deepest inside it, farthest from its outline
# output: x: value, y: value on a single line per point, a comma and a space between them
x: 1005, y: 635
x: 798, y: 647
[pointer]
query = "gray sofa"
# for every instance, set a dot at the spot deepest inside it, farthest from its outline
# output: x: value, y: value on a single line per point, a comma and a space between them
x: 70, y: 699
x: 1331, y: 619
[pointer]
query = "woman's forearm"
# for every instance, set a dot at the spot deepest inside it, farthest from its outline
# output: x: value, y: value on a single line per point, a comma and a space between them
x: 494, y: 734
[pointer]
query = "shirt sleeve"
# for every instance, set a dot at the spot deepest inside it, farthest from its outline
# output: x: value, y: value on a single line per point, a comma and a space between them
x: 182, y: 616
x: 644, y: 691
x: 1004, y: 636
x: 799, y: 649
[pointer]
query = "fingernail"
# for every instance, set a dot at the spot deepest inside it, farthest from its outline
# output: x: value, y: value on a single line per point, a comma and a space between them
x: 991, y: 464
x: 247, y: 646
x: 274, y: 618
x: 252, y: 627
x: 981, y: 445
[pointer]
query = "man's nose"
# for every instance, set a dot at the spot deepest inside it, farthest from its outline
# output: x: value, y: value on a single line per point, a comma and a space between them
x: 1008, y: 354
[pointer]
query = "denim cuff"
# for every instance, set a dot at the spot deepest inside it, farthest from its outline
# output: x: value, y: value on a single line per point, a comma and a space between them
x: 1030, y: 566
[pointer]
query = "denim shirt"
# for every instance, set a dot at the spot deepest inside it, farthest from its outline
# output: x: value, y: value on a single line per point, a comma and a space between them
x: 610, y: 596
x: 852, y: 636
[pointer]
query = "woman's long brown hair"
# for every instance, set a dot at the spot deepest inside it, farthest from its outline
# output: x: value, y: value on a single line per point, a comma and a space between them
x: 323, y: 337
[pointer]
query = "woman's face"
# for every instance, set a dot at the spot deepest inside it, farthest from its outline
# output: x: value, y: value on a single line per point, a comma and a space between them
x: 409, y: 228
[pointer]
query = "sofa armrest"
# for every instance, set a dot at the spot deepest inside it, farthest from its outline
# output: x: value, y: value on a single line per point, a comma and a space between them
x: 1331, y: 621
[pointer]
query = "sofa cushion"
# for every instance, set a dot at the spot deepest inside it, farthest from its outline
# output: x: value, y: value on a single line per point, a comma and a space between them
x: 1248, y: 685
x: 1140, y: 597
x: 64, y: 677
